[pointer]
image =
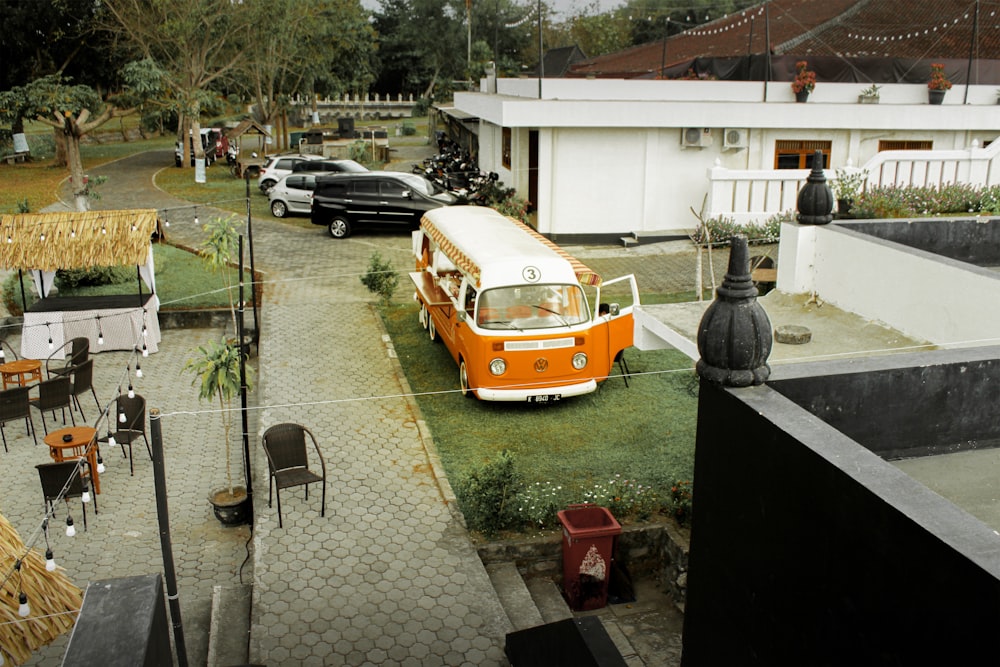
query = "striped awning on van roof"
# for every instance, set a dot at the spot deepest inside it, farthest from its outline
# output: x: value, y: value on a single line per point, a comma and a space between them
x: 584, y: 274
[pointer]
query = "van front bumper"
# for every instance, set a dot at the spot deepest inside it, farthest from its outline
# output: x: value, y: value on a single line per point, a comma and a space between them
x: 535, y: 394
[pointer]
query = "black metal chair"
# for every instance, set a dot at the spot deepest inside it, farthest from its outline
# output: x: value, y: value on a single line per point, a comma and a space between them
x: 54, y: 394
x: 79, y: 352
x: 65, y: 480
x: 15, y: 404
x: 83, y: 379
x: 126, y: 431
x: 288, y: 462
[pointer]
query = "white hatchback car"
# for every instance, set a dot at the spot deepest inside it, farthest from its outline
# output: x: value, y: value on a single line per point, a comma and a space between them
x: 278, y: 166
x: 293, y: 193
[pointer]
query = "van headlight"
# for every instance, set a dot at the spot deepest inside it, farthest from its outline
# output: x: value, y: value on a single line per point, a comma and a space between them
x: 579, y: 360
x: 498, y: 366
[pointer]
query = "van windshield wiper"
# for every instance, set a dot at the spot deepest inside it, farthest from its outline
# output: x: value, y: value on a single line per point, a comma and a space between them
x: 562, y: 320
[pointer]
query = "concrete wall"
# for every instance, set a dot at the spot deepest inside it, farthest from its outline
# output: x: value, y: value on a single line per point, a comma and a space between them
x: 921, y: 294
x: 806, y: 548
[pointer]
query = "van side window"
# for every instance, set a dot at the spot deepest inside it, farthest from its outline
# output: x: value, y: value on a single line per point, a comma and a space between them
x: 366, y: 187
x: 392, y: 189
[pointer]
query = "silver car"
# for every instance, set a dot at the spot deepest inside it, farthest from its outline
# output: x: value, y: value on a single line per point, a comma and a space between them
x: 278, y: 166
x: 293, y: 194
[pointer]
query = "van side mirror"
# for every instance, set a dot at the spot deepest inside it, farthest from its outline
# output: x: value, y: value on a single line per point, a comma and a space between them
x: 614, y: 309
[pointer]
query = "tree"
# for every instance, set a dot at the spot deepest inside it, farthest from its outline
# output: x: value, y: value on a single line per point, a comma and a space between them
x: 422, y: 43
x: 597, y: 34
x: 325, y: 44
x: 194, y: 42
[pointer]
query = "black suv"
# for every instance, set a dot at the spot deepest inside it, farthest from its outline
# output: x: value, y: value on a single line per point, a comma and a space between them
x: 374, y: 199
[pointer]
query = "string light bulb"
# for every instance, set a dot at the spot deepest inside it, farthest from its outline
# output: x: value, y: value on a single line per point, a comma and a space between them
x: 121, y: 415
x: 196, y: 215
x: 72, y: 233
x: 145, y: 350
x: 2, y: 356
x: 50, y: 561
x: 131, y: 390
x: 100, y: 332
x: 42, y: 237
x: 23, y: 608
x: 70, y: 528
x: 111, y: 440
x: 100, y: 461
x: 166, y: 220
x: 138, y: 369
x: 85, y: 497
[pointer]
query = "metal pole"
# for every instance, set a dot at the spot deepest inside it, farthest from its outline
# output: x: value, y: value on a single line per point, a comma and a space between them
x: 162, y: 515
x: 138, y: 279
x: 253, y: 269
x: 243, y: 390
x: 972, y: 50
x: 767, y: 50
x: 24, y: 299
x: 541, y: 59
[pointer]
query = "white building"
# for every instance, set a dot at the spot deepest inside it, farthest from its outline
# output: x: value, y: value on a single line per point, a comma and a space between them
x: 607, y: 158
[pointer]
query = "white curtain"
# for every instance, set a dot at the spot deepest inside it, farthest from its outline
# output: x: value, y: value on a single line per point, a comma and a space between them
x: 43, y: 281
x: 148, y: 273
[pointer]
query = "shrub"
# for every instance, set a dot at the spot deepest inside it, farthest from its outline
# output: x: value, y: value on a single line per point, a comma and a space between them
x: 380, y: 278
x: 361, y: 152
x: 11, y: 294
x: 93, y: 276
x: 718, y: 231
x: 421, y: 107
x: 408, y: 129
x: 539, y: 503
x: 680, y: 501
x: 488, y: 495
x: 624, y: 498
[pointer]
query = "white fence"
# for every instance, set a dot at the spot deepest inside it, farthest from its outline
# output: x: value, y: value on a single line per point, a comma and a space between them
x: 755, y: 195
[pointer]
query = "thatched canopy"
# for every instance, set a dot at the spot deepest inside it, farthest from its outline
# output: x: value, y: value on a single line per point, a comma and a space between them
x: 50, y: 241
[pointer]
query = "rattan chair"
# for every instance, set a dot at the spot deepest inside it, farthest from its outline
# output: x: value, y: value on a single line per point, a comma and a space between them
x: 54, y: 394
x: 65, y: 480
x: 79, y: 352
x: 83, y: 379
x: 15, y: 404
x: 288, y: 462
x: 127, y: 431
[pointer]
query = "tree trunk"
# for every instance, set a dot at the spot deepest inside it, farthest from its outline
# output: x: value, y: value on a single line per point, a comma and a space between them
x: 60, y: 141
x: 77, y: 178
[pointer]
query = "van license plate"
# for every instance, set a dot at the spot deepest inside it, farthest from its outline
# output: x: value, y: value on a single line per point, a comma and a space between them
x: 545, y: 398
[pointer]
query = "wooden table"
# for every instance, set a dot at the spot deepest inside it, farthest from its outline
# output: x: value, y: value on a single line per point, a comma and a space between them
x: 21, y: 372
x: 75, y: 448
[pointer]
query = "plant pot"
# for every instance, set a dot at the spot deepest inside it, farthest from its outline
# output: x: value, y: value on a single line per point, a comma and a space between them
x: 844, y: 208
x: 867, y: 99
x: 935, y: 96
x: 802, y: 96
x: 232, y: 510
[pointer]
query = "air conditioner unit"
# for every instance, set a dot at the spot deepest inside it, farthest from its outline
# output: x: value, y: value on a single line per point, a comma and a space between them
x: 735, y: 138
x: 696, y: 137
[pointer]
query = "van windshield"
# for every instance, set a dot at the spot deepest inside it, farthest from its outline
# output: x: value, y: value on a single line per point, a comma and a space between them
x: 532, y: 307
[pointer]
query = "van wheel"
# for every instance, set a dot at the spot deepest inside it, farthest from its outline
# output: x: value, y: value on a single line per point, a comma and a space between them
x: 278, y: 209
x: 431, y: 329
x: 463, y: 380
x: 340, y: 228
x: 422, y: 316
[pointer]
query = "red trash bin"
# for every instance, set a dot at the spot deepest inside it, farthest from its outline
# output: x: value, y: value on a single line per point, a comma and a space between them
x: 589, y: 534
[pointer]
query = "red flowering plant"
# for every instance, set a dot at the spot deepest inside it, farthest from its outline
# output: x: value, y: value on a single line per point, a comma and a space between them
x: 805, y: 79
x: 938, y: 80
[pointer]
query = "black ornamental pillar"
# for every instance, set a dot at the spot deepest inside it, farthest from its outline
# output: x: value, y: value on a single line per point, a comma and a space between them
x: 815, y: 203
x: 734, y: 336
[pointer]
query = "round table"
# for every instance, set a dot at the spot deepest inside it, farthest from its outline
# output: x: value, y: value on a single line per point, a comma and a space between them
x: 21, y: 372
x: 75, y: 447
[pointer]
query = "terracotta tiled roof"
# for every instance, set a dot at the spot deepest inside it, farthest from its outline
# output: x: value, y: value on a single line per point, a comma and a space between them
x: 912, y: 29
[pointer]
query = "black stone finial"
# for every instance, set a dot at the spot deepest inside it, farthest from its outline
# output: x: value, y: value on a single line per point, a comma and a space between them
x: 815, y: 203
x: 734, y: 337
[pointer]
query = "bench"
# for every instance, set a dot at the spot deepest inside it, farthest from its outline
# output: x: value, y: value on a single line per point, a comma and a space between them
x: 15, y: 157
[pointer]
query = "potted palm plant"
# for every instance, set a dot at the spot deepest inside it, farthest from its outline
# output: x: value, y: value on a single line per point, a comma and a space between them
x: 217, y: 376
x: 869, y: 95
x: 220, y: 249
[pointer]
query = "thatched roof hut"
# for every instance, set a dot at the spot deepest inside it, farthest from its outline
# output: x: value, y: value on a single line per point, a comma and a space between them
x: 50, y: 241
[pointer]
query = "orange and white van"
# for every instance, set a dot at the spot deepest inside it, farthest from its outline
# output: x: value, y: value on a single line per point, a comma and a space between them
x: 522, y: 319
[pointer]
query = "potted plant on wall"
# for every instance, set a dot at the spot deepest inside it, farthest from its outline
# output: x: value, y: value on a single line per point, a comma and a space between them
x: 869, y: 95
x: 847, y: 187
x: 938, y: 84
x: 804, y: 82
x: 217, y: 376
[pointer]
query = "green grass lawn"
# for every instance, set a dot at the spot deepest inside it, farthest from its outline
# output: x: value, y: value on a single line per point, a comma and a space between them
x: 644, y: 433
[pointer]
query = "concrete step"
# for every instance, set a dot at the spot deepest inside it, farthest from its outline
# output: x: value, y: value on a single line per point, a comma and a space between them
x: 629, y: 241
x: 549, y: 599
x: 514, y: 596
x: 229, y: 628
